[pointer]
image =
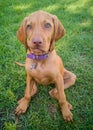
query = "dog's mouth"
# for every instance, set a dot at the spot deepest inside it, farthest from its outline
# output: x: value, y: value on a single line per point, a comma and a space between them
x: 37, y: 50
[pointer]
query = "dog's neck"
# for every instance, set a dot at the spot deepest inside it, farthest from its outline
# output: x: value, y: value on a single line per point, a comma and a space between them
x: 37, y: 57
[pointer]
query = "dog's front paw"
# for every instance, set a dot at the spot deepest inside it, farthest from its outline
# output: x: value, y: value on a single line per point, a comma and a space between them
x: 67, y: 115
x: 22, y: 106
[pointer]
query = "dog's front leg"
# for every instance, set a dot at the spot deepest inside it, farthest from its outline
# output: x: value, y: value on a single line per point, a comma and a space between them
x: 30, y: 90
x: 67, y: 115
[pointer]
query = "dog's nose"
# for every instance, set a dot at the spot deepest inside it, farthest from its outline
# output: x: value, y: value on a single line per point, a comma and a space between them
x: 37, y: 40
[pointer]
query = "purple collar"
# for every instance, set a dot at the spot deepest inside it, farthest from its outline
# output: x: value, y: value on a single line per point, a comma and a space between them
x: 37, y: 57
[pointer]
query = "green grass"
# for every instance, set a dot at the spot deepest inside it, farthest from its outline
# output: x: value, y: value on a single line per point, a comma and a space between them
x: 76, y: 50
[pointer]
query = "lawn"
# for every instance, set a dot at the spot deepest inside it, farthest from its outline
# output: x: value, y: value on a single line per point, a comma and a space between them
x: 76, y: 51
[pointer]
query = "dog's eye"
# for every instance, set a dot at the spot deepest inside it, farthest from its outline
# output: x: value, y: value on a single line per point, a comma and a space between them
x: 47, y: 25
x: 29, y: 26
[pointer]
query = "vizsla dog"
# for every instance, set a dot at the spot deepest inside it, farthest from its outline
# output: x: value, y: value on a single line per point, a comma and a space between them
x: 39, y: 32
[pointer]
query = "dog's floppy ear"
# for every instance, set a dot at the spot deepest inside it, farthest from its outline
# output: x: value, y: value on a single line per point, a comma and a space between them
x: 21, y: 33
x: 59, y: 30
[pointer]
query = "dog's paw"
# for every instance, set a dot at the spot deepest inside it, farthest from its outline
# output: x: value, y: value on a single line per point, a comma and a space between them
x: 22, y: 106
x: 67, y: 115
x: 53, y: 93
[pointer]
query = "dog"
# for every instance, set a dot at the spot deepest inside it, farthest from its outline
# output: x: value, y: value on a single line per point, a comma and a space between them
x: 38, y: 33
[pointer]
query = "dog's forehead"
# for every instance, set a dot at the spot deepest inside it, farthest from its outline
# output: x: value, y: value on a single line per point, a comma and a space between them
x: 38, y: 15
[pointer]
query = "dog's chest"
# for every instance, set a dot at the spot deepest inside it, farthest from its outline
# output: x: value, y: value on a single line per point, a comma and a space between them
x: 40, y: 73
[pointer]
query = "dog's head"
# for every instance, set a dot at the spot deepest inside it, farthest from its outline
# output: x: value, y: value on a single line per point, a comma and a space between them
x: 39, y: 31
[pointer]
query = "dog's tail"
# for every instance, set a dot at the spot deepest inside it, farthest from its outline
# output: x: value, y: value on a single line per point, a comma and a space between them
x: 23, y: 65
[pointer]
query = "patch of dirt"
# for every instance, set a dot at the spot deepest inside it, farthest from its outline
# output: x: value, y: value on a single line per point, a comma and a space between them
x: 52, y: 110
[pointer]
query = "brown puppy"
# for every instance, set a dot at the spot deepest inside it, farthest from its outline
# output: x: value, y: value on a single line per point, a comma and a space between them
x: 38, y: 33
